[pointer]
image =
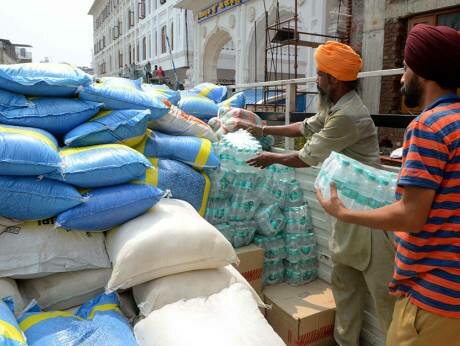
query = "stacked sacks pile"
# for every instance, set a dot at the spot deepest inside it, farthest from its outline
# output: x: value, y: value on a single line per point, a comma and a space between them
x: 97, y: 183
x: 246, y: 202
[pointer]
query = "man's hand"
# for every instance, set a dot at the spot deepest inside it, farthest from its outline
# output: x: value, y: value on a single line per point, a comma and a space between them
x: 334, y: 205
x: 264, y: 159
x: 253, y: 129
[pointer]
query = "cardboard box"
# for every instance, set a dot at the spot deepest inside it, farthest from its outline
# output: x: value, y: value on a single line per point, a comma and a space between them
x: 302, y: 315
x: 251, y: 265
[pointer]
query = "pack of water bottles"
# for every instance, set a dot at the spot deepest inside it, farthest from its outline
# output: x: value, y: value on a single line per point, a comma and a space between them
x: 239, y: 233
x: 269, y: 203
x: 235, y: 149
x: 359, y: 186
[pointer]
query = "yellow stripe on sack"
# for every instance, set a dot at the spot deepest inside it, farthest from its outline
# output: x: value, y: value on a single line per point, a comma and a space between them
x: 206, y: 91
x: 10, y: 332
x: 71, y: 151
x: 207, y: 189
x: 203, y: 154
x: 141, y: 146
x: 37, y: 318
x: 30, y: 133
x: 101, y: 114
x: 104, y: 307
x: 151, y: 174
x: 134, y: 141
x: 150, y: 177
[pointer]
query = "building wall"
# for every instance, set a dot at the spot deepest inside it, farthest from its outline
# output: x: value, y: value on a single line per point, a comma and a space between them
x: 109, y: 58
x: 397, y: 15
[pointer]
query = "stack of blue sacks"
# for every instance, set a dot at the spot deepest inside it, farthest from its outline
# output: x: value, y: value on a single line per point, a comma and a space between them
x: 79, y: 152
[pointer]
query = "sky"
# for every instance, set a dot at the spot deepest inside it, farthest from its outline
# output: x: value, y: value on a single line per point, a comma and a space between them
x: 58, y: 29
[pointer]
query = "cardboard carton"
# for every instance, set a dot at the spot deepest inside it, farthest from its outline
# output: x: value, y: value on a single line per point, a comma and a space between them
x: 302, y: 315
x: 251, y: 265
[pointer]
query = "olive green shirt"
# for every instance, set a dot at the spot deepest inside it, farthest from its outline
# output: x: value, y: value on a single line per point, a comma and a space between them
x: 346, y: 128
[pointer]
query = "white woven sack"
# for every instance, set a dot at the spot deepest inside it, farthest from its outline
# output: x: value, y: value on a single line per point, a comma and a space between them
x: 228, y: 318
x: 176, y: 122
x: 170, y: 238
x: 155, y: 294
x: 8, y: 288
x: 65, y: 290
x: 37, y: 249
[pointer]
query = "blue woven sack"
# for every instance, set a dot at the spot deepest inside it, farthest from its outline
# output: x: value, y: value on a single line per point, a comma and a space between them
x: 119, y: 82
x: 100, y: 165
x: 27, y: 151
x: 27, y: 198
x: 10, y: 333
x: 98, y: 322
x: 123, y: 97
x: 214, y: 92
x: 55, y: 115
x: 12, y: 100
x: 162, y: 92
x: 43, y: 79
x: 199, y: 106
x: 108, y: 207
x: 184, y: 182
x: 236, y: 101
x: 121, y: 126
x: 194, y: 151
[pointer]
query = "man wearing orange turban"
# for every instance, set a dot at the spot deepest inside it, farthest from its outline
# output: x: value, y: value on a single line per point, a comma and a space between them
x: 343, y: 124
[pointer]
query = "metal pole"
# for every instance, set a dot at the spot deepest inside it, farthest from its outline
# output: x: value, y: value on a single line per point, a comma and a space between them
x: 290, y: 107
x: 172, y: 61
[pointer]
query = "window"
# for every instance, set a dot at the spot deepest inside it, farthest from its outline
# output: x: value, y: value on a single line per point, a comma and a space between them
x: 144, y: 48
x: 120, y: 59
x: 137, y: 52
x: 171, y: 37
x: 103, y: 42
x: 130, y: 60
x: 130, y: 19
x: 163, y: 39
x: 141, y: 9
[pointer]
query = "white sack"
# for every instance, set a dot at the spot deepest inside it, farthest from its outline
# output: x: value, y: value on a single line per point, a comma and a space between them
x: 36, y: 249
x: 8, y: 288
x: 65, y: 290
x: 155, y: 294
x: 228, y: 318
x: 170, y: 238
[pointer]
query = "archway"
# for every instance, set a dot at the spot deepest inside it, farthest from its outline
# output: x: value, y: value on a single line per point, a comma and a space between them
x: 219, y: 58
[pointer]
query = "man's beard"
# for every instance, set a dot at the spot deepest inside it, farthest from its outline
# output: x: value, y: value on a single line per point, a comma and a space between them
x: 412, y: 93
x: 324, y: 103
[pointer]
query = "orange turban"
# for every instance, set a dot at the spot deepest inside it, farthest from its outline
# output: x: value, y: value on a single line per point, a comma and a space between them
x: 339, y: 60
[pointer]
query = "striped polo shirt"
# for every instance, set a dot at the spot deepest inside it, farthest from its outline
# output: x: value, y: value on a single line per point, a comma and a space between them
x: 427, y: 263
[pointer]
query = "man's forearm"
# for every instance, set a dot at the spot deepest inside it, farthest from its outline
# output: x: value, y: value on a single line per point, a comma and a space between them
x: 291, y: 130
x: 394, y: 218
x: 292, y: 160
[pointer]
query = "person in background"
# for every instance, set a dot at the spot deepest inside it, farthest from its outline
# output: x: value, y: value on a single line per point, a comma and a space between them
x: 362, y: 257
x: 132, y: 70
x: 426, y: 215
x: 148, y: 71
x: 125, y: 71
x: 160, y: 73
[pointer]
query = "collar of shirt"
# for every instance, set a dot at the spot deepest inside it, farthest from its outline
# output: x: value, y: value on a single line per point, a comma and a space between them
x: 449, y: 98
x: 343, y: 100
